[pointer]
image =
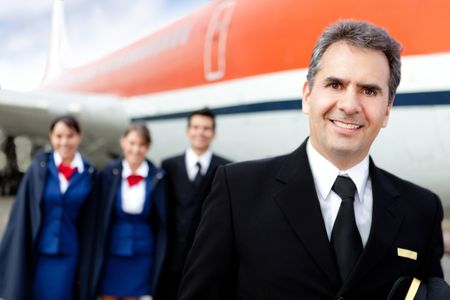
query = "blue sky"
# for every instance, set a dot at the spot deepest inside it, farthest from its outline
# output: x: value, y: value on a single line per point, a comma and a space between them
x: 94, y: 28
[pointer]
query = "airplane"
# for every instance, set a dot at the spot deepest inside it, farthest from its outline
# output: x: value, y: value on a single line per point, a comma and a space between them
x: 247, y: 60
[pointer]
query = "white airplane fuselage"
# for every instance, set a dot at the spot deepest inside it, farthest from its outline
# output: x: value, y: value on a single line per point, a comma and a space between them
x: 247, y: 60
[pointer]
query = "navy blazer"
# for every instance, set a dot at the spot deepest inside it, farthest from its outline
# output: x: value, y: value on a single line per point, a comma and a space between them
x: 18, y: 247
x: 60, y: 211
x: 105, y: 192
x: 262, y: 236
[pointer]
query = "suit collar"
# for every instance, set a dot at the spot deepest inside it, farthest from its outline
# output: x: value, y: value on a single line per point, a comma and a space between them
x: 153, y: 179
x: 192, y: 159
x: 142, y: 170
x: 77, y: 161
x: 297, y: 199
x: 213, y: 164
x: 324, y: 170
x: 112, y: 185
x: 153, y: 173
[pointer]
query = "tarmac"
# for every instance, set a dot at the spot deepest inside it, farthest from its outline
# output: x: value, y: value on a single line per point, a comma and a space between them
x: 5, y: 206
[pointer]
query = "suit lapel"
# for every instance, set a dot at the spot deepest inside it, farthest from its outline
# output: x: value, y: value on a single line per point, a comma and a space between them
x: 181, y: 162
x: 38, y: 179
x: 212, y: 165
x: 207, y: 178
x: 386, y: 220
x: 153, y: 180
x: 298, y: 201
x: 149, y: 188
x: 77, y: 176
x: 114, y: 181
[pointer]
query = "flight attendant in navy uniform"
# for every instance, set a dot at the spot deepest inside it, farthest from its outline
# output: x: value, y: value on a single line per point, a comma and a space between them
x: 131, y: 237
x: 40, y: 249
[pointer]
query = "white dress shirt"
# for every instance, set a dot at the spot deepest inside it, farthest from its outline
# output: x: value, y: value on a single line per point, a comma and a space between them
x: 133, y: 198
x: 191, y: 159
x: 325, y: 174
x: 77, y: 162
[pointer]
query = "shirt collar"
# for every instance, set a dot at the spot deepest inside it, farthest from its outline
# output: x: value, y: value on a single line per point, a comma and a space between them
x: 192, y: 158
x: 142, y: 170
x: 77, y: 161
x: 325, y: 173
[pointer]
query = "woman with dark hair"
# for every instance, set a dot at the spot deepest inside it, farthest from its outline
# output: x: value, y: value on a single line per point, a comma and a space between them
x: 40, y: 248
x: 130, y: 237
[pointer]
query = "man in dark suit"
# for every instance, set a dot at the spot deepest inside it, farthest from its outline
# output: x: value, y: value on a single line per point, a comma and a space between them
x: 322, y: 222
x: 189, y: 177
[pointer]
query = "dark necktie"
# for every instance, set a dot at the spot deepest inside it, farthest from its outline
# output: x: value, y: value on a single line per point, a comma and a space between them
x: 198, y: 177
x: 345, y: 238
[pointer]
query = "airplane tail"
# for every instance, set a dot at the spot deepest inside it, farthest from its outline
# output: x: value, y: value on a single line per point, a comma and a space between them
x: 59, y: 49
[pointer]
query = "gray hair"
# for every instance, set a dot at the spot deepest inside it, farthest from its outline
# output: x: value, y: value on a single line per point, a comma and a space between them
x: 362, y: 35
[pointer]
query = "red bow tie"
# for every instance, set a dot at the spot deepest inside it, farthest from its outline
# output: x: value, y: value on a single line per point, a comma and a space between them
x: 134, y: 179
x: 66, y: 170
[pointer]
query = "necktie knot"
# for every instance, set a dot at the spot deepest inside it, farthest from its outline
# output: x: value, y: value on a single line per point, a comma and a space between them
x: 344, y: 187
x: 66, y: 171
x: 134, y: 179
x: 199, y: 166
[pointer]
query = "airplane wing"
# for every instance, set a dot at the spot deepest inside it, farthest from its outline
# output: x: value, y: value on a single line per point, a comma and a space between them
x: 102, y: 117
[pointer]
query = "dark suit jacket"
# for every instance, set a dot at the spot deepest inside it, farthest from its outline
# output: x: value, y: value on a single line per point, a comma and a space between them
x: 262, y: 236
x: 184, y: 206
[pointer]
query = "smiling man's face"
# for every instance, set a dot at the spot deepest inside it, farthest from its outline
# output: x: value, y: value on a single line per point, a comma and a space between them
x: 348, y: 103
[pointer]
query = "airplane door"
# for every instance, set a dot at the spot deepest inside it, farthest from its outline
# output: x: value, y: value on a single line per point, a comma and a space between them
x: 216, y: 40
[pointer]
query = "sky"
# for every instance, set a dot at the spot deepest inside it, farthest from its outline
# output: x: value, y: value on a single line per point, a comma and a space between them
x: 94, y: 28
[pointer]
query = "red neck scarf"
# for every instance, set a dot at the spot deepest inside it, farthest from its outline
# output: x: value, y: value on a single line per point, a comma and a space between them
x: 134, y: 179
x: 66, y: 170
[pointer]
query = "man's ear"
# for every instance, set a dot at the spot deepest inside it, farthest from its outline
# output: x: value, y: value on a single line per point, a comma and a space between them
x: 387, y: 113
x: 305, y: 98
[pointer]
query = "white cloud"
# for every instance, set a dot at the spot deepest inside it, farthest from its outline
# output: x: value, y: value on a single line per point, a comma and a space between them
x: 17, y: 8
x: 23, y: 74
x: 103, y: 30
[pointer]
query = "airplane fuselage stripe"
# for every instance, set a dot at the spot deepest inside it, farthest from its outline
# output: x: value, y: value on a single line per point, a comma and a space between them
x: 404, y: 99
